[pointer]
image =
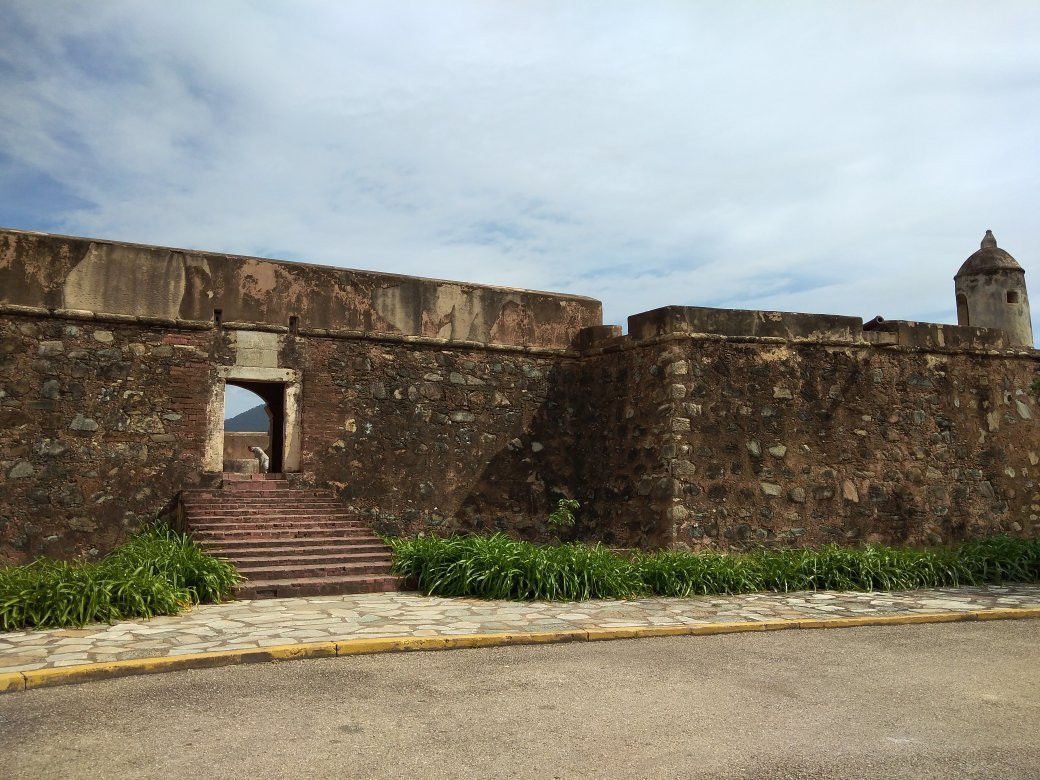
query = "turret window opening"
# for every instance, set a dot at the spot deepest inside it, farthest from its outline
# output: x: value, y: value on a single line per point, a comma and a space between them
x: 1012, y: 296
x: 962, y: 310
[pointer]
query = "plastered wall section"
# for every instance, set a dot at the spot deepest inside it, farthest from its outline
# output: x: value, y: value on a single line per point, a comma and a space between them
x: 66, y: 273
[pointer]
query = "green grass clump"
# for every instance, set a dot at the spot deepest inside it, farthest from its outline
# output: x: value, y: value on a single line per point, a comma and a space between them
x: 498, y: 567
x: 158, y: 572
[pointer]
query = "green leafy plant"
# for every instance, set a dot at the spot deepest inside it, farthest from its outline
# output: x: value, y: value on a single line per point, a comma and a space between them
x: 504, y: 568
x: 561, y: 518
x: 158, y: 572
x: 563, y: 515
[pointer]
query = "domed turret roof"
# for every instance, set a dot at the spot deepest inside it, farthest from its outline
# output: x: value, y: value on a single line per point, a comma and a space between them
x: 989, y: 258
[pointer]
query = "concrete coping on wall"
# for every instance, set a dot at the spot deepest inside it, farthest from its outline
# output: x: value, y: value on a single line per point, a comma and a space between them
x: 626, y: 343
x: 935, y: 334
x: 608, y: 340
x: 356, y: 335
x: 91, y: 316
x: 739, y: 323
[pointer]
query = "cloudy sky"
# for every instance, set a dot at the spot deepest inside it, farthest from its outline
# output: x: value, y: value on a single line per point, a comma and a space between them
x: 836, y: 157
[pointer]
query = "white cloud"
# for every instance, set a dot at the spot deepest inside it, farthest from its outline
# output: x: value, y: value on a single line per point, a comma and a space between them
x: 805, y: 155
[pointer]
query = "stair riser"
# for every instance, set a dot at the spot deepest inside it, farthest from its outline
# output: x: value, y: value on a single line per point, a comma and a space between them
x: 258, y: 590
x: 302, y: 547
x: 256, y: 521
x: 220, y: 496
x: 287, y: 535
x: 291, y: 505
x: 233, y: 477
x: 211, y: 517
x: 317, y: 543
x: 261, y: 499
x: 302, y: 572
x: 286, y: 541
x: 300, y: 503
x: 271, y: 531
x: 332, y: 559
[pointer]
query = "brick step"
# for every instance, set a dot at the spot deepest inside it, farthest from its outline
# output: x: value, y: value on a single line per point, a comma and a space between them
x: 294, y: 571
x: 233, y: 547
x: 232, y: 476
x: 287, y: 534
x: 265, y: 486
x: 276, y: 550
x: 270, y: 494
x: 317, y: 586
x: 308, y: 558
x: 263, y: 526
x: 276, y: 495
x: 265, y: 500
x: 250, y: 517
x: 287, y: 541
x: 274, y: 513
x: 293, y: 511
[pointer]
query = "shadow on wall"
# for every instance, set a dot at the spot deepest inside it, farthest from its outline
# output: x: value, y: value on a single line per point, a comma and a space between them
x: 521, y: 485
x: 584, y: 444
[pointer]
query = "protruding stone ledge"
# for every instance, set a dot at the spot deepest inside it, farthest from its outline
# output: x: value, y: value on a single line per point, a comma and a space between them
x: 782, y: 325
x: 597, y: 335
x: 359, y: 335
x: 934, y: 334
x: 16, y: 310
x: 626, y: 343
x: 263, y: 327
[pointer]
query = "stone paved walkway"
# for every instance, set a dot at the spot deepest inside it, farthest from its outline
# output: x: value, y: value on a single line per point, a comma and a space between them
x: 259, y: 624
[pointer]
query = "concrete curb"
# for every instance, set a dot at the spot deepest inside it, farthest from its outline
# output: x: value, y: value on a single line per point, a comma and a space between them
x: 69, y: 675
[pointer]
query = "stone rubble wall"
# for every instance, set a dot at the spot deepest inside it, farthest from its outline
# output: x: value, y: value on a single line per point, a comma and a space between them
x: 438, y: 437
x: 104, y: 422
x: 101, y: 424
x: 775, y: 443
x: 675, y: 439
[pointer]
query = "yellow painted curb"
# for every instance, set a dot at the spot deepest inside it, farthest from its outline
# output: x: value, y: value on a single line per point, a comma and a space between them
x: 1020, y: 613
x: 68, y: 675
x: 11, y: 681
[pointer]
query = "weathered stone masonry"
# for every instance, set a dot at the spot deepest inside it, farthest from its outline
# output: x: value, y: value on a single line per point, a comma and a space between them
x: 701, y: 428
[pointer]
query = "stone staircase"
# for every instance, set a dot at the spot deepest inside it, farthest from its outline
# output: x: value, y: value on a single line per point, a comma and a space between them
x: 285, y: 541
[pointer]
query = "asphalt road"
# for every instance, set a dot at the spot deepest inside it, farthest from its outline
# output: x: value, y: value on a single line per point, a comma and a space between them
x: 934, y: 701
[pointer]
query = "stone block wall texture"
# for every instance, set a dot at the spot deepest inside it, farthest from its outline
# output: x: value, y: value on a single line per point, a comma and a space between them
x: 101, y: 424
x: 435, y: 437
x: 803, y: 444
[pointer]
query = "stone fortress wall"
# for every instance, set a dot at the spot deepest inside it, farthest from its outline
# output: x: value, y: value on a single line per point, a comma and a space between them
x: 441, y: 406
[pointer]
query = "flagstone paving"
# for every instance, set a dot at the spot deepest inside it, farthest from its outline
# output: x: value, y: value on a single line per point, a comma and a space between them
x: 271, y: 622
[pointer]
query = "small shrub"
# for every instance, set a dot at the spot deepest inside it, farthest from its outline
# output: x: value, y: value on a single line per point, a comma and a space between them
x: 563, y: 515
x: 158, y: 572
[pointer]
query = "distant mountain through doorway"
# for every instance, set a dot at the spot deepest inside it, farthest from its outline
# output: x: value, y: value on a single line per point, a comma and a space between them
x: 252, y: 420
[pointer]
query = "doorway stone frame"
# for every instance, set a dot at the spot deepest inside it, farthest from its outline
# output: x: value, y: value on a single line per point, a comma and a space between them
x: 213, y: 460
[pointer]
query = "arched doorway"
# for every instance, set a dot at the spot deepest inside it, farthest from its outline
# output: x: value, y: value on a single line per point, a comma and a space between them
x: 270, y: 427
x: 281, y: 390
